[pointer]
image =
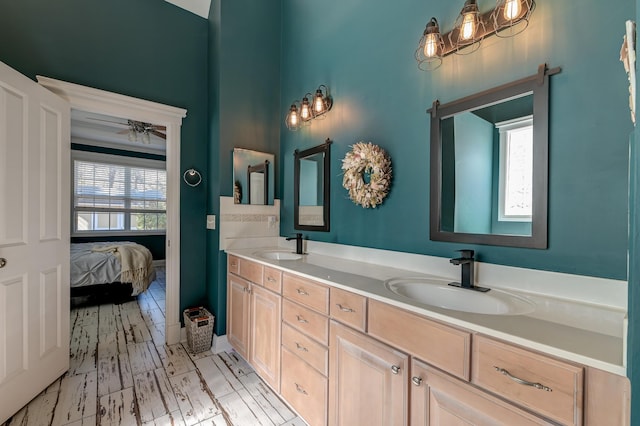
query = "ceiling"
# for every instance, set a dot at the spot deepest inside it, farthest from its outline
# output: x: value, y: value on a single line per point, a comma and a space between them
x: 110, y: 132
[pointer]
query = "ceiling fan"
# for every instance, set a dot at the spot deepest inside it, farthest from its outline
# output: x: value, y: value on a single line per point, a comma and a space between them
x: 139, y: 129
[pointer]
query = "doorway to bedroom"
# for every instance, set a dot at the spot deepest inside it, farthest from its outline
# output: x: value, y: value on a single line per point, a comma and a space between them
x: 141, y: 125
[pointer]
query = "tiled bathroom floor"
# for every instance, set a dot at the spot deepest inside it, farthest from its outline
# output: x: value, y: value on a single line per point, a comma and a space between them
x: 122, y: 373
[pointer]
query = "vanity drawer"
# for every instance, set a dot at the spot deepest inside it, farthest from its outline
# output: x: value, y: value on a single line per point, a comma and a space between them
x: 348, y: 308
x: 311, y: 294
x: 443, y: 346
x: 251, y: 271
x: 306, y: 348
x: 233, y: 264
x: 272, y: 279
x: 307, y: 321
x: 304, y: 389
x: 510, y: 371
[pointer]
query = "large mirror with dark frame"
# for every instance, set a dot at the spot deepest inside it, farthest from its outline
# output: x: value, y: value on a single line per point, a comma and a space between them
x: 311, y: 188
x: 253, y: 177
x: 489, y: 165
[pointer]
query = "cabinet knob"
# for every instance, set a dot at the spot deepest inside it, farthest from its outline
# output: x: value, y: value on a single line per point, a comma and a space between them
x: 3, y: 262
x: 395, y: 369
x: 416, y: 380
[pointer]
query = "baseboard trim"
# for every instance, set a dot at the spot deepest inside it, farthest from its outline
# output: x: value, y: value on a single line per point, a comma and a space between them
x: 220, y: 344
x: 174, y: 333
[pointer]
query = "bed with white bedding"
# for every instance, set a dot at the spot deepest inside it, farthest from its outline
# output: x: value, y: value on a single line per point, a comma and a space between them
x: 98, y: 263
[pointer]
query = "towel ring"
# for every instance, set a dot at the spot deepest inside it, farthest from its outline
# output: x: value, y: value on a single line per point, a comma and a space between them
x: 192, y: 177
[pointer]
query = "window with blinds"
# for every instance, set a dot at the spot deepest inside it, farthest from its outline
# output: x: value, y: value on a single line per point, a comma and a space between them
x: 118, y: 195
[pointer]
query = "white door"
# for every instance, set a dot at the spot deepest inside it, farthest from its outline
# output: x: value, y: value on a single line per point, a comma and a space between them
x: 34, y: 239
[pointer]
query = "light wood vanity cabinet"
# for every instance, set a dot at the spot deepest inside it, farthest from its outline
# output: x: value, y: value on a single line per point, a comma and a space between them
x: 253, y: 317
x: 339, y: 358
x: 305, y: 325
x: 540, y: 383
x: 440, y: 399
x: 368, y: 380
x: 238, y: 314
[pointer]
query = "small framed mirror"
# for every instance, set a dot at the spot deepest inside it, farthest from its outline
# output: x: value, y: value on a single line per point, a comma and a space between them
x: 311, y: 188
x: 253, y: 177
x: 489, y: 165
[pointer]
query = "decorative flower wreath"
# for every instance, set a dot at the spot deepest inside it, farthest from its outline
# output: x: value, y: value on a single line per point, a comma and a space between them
x: 366, y: 158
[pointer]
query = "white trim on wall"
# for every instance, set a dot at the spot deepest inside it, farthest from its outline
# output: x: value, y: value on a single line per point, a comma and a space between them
x: 107, y: 103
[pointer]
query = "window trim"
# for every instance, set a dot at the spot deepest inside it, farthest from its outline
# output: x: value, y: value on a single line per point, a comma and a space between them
x: 120, y: 160
x: 503, y: 128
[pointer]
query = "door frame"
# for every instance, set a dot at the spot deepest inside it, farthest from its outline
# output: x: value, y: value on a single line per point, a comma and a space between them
x: 108, y: 103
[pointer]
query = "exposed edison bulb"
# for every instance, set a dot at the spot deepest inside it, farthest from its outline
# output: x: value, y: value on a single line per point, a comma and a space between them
x: 318, y: 102
x: 305, y: 111
x: 512, y: 9
x: 431, y: 45
x: 293, y: 118
x: 468, y: 26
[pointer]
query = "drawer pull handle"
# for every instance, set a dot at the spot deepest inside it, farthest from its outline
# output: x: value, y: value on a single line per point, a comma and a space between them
x: 344, y: 308
x: 301, y: 319
x: 301, y: 389
x: 416, y: 380
x: 395, y: 369
x: 302, y: 292
x: 301, y: 348
x: 271, y: 279
x: 233, y: 264
x: 521, y: 381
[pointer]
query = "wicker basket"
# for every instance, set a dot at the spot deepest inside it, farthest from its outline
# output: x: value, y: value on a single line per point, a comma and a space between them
x: 199, y: 324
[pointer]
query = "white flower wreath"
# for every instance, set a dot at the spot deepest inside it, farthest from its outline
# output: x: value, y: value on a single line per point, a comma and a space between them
x: 366, y: 158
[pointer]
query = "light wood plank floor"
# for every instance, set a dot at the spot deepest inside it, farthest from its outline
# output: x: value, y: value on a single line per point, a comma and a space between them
x: 122, y: 373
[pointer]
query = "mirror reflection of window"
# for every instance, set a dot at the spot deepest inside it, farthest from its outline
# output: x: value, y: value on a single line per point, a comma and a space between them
x: 516, y: 170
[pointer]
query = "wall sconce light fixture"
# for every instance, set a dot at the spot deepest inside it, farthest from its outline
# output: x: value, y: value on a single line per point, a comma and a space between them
x: 301, y: 113
x: 506, y: 19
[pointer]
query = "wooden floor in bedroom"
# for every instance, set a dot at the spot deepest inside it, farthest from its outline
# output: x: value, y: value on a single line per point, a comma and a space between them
x: 122, y: 373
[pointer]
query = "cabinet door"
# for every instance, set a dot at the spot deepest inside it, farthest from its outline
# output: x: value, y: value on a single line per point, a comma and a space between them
x: 264, y: 350
x: 368, y: 380
x: 238, y: 314
x: 439, y: 399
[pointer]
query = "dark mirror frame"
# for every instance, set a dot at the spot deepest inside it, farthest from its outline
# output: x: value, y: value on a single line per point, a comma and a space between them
x: 259, y: 168
x: 325, y: 148
x: 538, y: 85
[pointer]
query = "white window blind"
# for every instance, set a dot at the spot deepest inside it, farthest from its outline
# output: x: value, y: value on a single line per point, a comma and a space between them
x: 115, y: 195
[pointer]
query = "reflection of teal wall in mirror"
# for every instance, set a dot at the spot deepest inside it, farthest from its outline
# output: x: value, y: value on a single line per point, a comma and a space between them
x: 473, y: 174
x: 242, y: 158
x: 381, y: 96
x: 448, y: 200
x: 308, y: 183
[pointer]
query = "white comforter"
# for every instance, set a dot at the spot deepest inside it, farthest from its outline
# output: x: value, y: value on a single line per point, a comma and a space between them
x: 89, y: 267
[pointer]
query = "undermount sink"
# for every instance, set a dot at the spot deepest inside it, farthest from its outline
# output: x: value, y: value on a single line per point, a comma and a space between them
x: 438, y: 293
x: 278, y: 255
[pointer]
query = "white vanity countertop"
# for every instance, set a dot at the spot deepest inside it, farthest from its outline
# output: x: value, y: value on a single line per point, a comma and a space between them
x: 589, y: 334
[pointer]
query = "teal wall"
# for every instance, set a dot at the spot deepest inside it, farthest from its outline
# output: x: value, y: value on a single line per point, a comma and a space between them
x: 473, y: 139
x: 363, y: 50
x: 244, y: 103
x: 148, y: 49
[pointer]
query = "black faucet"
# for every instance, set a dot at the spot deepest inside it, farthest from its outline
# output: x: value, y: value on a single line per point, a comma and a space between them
x: 466, y: 260
x: 298, y: 239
